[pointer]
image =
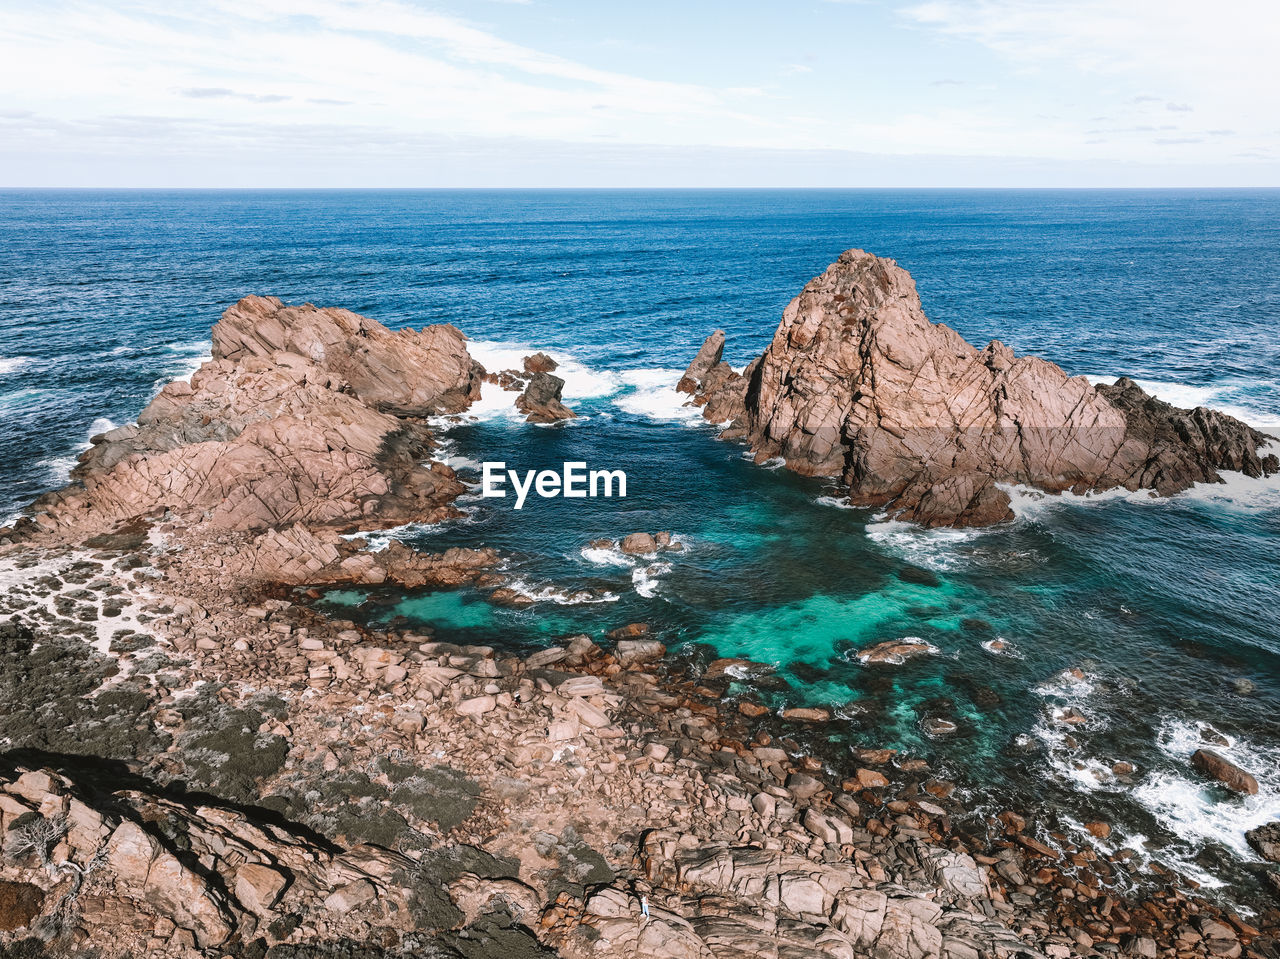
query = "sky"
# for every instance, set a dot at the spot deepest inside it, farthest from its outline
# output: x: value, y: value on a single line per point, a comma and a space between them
x: 700, y: 93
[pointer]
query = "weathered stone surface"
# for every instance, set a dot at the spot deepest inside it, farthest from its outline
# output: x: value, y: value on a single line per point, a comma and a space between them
x: 416, y: 371
x: 1225, y: 771
x: 858, y: 384
x: 639, y: 544
x: 539, y: 363
x: 477, y: 706
x: 259, y: 887
x: 303, y: 415
x: 635, y: 651
x: 896, y: 652
x: 1266, y: 840
x: 541, y: 400
x: 130, y: 852
x: 350, y: 896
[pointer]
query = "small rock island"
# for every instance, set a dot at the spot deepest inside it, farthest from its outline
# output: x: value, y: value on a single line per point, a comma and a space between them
x: 858, y: 384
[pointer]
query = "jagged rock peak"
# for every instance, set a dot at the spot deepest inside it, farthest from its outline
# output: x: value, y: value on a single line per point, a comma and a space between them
x: 858, y: 384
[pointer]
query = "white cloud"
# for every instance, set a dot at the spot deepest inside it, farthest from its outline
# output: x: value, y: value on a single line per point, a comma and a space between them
x: 99, y: 81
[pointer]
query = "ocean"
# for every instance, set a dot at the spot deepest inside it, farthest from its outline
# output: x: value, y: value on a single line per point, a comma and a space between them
x: 1155, y: 621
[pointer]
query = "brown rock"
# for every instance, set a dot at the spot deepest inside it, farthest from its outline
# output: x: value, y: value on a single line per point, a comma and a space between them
x: 870, y: 779
x: 1266, y: 840
x: 541, y: 400
x: 259, y: 887
x: 807, y: 714
x: 417, y: 371
x: 1101, y: 830
x: 631, y: 651
x: 857, y: 383
x: 1225, y: 771
x: 939, y: 788
x: 303, y: 416
x: 20, y: 903
x: 352, y: 895
x: 540, y: 363
x: 130, y: 852
x: 639, y: 544
x: 804, y: 786
x: 896, y: 652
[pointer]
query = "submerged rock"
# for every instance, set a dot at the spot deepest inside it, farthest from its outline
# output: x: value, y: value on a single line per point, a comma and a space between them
x: 859, y: 384
x: 896, y: 652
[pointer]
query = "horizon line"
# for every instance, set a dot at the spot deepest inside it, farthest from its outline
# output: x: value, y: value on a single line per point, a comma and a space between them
x: 617, y: 189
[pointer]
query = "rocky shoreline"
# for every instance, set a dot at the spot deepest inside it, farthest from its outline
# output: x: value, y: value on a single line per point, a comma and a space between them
x: 196, y: 762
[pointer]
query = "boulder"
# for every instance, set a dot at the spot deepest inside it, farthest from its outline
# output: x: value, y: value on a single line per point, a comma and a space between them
x: 352, y: 895
x: 1266, y: 840
x: 303, y: 416
x: 896, y: 652
x: 632, y: 651
x: 1224, y: 771
x: 870, y: 779
x: 130, y: 852
x: 476, y: 706
x: 541, y: 400
x: 807, y: 714
x: 639, y: 544
x: 540, y: 363
x: 259, y: 887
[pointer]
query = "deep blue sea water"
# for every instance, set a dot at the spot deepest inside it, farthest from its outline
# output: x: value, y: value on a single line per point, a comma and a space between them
x: 1169, y: 609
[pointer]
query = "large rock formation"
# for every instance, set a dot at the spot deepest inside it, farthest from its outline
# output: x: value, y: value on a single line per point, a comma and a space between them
x: 304, y: 415
x: 860, y: 385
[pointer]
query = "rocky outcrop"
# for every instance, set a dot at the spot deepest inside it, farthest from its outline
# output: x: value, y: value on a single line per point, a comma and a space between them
x: 304, y: 415
x: 541, y: 399
x: 539, y: 391
x: 1266, y: 841
x: 407, y: 372
x: 181, y: 875
x: 858, y: 384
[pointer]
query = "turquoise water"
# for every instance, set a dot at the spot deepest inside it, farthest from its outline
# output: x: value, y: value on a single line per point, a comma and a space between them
x: 1167, y: 609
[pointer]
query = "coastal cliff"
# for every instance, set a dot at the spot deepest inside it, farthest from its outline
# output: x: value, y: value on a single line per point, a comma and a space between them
x: 858, y: 384
x: 197, y: 761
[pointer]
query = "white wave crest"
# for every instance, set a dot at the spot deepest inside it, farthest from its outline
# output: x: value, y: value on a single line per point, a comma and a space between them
x: 836, y: 502
x: 560, y: 595
x: 581, y: 382
x: 606, y: 556
x: 651, y: 393
x: 189, y: 357
x: 932, y: 548
x: 378, y: 540
x: 646, y: 578
x: 1002, y: 647
x: 1223, y: 396
x: 11, y: 364
x: 1195, y: 810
